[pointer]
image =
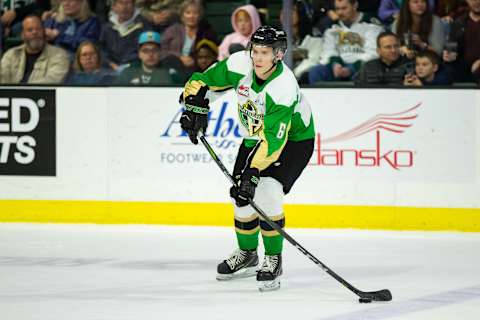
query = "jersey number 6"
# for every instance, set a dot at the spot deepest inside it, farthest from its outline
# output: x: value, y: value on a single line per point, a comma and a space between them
x: 281, y: 130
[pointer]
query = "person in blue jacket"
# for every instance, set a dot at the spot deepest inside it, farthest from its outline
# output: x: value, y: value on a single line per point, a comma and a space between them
x: 73, y: 24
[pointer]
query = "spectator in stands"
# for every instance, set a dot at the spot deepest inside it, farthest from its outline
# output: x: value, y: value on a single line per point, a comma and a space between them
x: 390, y: 68
x: 418, y: 28
x: 34, y: 61
x: 245, y: 20
x: 119, y: 36
x: 465, y: 32
x: 87, y: 66
x: 306, y: 50
x: 310, y: 50
x: 206, y: 53
x: 99, y: 7
x: 299, y: 30
x: 12, y: 13
x: 323, y: 16
x: 73, y: 24
x: 449, y: 10
x: 180, y: 39
x: 347, y: 44
x: 428, y: 71
x: 160, y: 13
x: 389, y: 10
x: 148, y: 70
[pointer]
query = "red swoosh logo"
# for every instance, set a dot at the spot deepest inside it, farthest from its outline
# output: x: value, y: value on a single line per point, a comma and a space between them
x: 393, y: 122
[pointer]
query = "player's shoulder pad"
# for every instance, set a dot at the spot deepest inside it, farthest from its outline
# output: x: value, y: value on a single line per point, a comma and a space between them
x: 239, y: 62
x: 284, y: 89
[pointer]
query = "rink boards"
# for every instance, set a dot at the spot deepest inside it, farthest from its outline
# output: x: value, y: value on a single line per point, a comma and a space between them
x: 383, y: 159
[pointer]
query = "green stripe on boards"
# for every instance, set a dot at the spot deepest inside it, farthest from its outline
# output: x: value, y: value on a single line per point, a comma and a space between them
x: 247, y: 241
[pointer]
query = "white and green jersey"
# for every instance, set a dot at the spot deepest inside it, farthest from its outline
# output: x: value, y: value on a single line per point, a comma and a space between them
x: 270, y: 114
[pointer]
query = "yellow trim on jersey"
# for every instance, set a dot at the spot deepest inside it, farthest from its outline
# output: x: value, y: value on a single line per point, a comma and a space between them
x: 261, y: 160
x: 221, y: 214
x: 214, y: 88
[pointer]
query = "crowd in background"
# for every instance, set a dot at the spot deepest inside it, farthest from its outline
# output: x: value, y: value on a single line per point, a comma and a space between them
x: 162, y: 42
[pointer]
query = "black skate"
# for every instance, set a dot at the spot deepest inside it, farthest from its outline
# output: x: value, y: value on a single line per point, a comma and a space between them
x: 240, y: 264
x: 268, y: 276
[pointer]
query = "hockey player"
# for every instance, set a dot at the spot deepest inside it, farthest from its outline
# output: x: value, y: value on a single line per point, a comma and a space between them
x: 278, y: 130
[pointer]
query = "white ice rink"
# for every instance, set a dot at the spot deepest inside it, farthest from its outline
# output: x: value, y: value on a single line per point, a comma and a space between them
x: 83, y: 272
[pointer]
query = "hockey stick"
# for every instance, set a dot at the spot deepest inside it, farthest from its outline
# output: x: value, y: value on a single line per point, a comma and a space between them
x: 381, y: 295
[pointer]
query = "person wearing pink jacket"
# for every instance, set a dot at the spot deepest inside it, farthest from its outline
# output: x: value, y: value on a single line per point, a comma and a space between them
x: 245, y: 20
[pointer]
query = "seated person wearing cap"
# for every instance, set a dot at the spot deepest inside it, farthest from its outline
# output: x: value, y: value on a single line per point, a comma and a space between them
x: 148, y: 70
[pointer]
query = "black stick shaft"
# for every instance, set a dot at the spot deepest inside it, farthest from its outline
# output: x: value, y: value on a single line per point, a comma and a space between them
x: 276, y: 227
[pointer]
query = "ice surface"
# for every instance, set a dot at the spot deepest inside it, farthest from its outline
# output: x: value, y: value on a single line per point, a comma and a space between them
x: 79, y: 272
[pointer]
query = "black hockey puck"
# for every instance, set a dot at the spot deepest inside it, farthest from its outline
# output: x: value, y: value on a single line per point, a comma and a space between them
x: 364, y: 300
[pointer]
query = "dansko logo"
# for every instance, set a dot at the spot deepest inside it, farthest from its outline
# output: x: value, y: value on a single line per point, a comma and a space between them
x: 374, y: 156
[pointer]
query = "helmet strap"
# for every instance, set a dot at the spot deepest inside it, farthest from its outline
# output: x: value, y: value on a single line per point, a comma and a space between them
x: 277, y: 56
x: 273, y: 66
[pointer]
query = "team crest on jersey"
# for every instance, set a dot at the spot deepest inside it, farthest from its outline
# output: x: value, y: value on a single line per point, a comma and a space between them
x: 243, y: 91
x: 350, y: 38
x: 250, y: 118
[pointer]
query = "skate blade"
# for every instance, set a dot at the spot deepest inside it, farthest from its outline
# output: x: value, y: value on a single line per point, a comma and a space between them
x: 244, y: 273
x: 265, y: 286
